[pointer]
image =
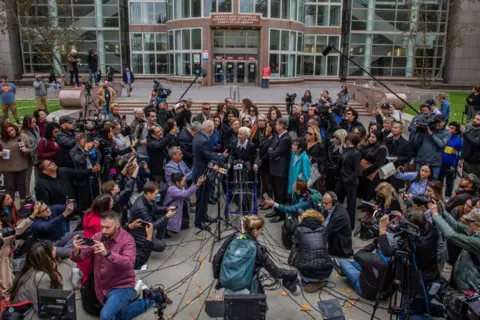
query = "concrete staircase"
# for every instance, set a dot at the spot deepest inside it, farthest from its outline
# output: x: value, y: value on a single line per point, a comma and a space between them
x: 126, y: 107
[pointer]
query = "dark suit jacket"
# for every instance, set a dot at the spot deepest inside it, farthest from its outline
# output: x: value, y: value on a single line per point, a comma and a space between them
x: 280, y: 154
x: 203, y: 153
x: 125, y: 76
x: 199, y: 117
x: 247, y: 155
x: 398, y: 149
x: 339, y: 233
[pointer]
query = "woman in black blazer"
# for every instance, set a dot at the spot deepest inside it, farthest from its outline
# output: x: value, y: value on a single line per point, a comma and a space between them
x: 263, y: 163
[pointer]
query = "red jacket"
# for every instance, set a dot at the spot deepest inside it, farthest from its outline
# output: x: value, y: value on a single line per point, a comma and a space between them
x: 46, y: 149
x: 91, y: 226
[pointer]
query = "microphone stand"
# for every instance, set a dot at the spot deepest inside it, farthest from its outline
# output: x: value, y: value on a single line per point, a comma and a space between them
x: 201, y: 73
x: 332, y: 47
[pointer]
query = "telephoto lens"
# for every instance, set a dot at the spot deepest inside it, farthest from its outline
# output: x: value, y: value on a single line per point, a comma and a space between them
x: 7, y: 232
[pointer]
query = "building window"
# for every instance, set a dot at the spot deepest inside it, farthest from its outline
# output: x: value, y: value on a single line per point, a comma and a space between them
x: 214, y: 6
x: 314, y: 63
x: 148, y: 12
x: 246, y: 6
x: 185, y: 52
x: 323, y: 14
x: 285, y: 53
x: 150, y: 53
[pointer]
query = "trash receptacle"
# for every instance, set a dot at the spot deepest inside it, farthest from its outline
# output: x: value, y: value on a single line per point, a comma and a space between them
x: 265, y: 83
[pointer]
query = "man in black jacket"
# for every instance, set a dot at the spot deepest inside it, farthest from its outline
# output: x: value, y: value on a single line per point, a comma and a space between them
x: 157, y: 148
x: 204, y: 115
x: 350, y: 121
x: 92, y: 61
x: 467, y: 189
x: 185, y: 140
x: 398, y: 149
x: 84, y: 156
x: 280, y: 153
x: 366, y: 273
x: 146, y: 209
x: 339, y: 232
x: 55, y: 184
x: 163, y: 113
x: 66, y: 141
x: 471, y: 147
x: 143, y: 251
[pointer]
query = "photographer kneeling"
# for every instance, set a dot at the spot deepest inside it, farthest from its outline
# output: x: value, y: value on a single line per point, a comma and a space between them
x: 466, y: 272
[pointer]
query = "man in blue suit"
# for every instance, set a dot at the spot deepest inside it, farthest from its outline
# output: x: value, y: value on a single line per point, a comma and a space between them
x: 203, y: 153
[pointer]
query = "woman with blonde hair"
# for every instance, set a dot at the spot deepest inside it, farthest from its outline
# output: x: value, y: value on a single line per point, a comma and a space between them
x: 252, y: 229
x: 335, y: 150
x: 385, y: 199
x: 316, y: 153
x: 310, y: 252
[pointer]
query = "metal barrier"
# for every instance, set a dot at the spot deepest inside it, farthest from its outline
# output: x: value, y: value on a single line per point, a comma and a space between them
x: 235, y: 93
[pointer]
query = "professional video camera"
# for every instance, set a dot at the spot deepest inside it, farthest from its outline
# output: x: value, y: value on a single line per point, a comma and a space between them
x: 382, y: 212
x: 421, y: 199
x: 424, y: 121
x: 90, y: 126
x: 162, y: 92
x: 460, y: 306
x: 88, y: 86
x: 406, y: 233
x: 290, y: 100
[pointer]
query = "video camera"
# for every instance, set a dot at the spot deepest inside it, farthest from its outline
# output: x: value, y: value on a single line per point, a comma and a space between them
x: 424, y: 122
x: 462, y: 306
x: 161, y: 91
x: 290, y: 100
x: 421, y: 199
x: 89, y: 126
x: 7, y: 232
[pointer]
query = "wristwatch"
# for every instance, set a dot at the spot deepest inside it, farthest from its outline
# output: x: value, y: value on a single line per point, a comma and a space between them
x: 108, y: 254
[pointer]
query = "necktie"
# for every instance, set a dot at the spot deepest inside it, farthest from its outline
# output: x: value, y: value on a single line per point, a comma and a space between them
x: 180, y: 169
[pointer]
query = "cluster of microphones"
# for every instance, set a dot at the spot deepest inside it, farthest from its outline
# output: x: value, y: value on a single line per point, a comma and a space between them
x: 215, y: 170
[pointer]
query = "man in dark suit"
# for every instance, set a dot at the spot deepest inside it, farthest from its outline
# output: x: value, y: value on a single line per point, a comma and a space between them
x: 203, y: 153
x: 128, y: 80
x: 398, y: 149
x: 339, y: 231
x: 280, y: 153
x: 204, y: 115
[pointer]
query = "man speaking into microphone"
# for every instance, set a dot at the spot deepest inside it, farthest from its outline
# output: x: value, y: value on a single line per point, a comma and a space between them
x: 203, y: 153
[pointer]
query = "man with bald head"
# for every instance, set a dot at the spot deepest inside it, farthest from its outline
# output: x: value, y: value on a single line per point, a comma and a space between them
x: 203, y: 153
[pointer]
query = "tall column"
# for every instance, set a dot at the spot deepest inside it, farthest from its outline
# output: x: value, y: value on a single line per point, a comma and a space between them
x: 100, y: 36
x: 367, y: 59
x: 54, y: 16
x: 412, y: 38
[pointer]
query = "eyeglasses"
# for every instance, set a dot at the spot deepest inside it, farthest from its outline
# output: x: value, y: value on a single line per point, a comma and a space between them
x: 207, y: 108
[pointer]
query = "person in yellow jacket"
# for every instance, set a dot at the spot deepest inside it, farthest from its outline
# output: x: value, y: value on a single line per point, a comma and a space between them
x: 106, y: 96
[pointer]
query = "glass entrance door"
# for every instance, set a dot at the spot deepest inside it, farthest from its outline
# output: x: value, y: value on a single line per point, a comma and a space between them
x: 252, y: 74
x: 218, y: 72
x: 241, y: 72
x: 230, y: 72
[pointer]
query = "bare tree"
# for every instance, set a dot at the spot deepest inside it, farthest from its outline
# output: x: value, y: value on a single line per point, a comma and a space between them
x: 38, y: 23
x: 428, y: 64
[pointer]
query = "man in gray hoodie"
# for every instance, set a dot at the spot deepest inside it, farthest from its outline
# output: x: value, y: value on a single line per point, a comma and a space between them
x: 41, y: 91
x: 430, y: 145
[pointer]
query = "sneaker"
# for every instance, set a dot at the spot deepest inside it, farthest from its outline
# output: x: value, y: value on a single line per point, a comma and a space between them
x: 296, y: 290
x: 157, y: 295
x: 336, y: 266
x: 139, y: 287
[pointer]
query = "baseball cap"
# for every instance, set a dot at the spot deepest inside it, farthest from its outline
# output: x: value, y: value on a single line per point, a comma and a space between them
x: 385, y: 106
x: 66, y: 119
x: 473, y: 216
x: 178, y: 105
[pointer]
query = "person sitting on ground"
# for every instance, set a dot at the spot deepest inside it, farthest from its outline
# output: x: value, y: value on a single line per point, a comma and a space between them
x: 309, y: 253
x: 147, y: 209
x: 235, y: 282
x: 176, y: 164
x: 339, y: 231
x: 144, y: 251
x: 39, y: 272
x: 177, y: 195
x: 114, y: 255
x: 303, y: 199
x: 366, y: 272
x: 52, y: 224
x: 418, y: 180
x: 385, y: 200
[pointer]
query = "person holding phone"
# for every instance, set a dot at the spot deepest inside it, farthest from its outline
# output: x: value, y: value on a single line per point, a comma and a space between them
x: 147, y: 209
x: 143, y: 252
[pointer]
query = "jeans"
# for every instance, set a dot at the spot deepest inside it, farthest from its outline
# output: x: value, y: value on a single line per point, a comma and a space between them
x: 120, y: 305
x: 352, y: 270
x: 435, y: 170
x: 307, y: 280
x: 74, y: 73
x: 448, y: 173
x: 92, y: 74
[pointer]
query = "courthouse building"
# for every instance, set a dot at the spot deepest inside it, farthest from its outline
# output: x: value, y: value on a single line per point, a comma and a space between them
x: 235, y: 40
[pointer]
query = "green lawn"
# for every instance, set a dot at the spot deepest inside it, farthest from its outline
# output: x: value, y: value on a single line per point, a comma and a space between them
x: 457, y: 105
x: 28, y: 107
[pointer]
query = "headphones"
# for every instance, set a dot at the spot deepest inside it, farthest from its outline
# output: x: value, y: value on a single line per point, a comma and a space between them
x: 334, y: 197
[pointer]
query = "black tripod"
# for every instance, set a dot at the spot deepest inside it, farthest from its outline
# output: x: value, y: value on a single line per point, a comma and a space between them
x: 89, y: 100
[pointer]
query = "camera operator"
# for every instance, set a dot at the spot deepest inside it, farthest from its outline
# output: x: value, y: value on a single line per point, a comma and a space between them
x: 157, y: 146
x: 41, y: 92
x: 473, y: 101
x: 163, y: 113
x: 92, y: 61
x: 350, y: 120
x: 467, y: 189
x: 8, y: 244
x: 425, y: 109
x: 85, y: 155
x: 128, y: 80
x: 430, y: 145
x: 181, y: 114
x: 110, y: 152
x: 72, y: 67
x: 148, y: 210
x: 466, y: 272
x: 52, y: 224
x: 185, y: 140
x: 66, y: 141
x: 471, y: 148
x: 106, y: 96
x: 114, y: 256
x: 55, y: 184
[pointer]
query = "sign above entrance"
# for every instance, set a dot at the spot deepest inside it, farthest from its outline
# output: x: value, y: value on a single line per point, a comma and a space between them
x: 235, y: 19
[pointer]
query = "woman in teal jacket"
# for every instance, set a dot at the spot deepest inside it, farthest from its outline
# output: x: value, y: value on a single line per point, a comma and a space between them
x: 300, y: 166
x: 301, y: 200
